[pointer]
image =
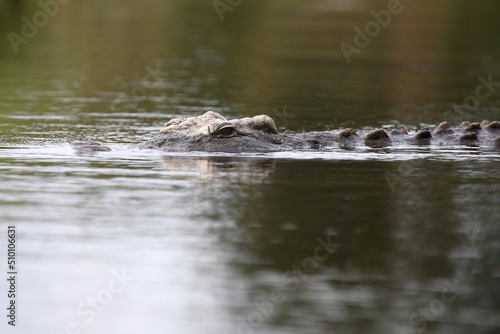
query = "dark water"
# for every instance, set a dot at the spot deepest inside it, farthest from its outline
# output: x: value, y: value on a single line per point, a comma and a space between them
x: 396, y: 240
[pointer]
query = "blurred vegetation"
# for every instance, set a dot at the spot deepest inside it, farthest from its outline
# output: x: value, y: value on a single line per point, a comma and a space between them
x: 268, y: 54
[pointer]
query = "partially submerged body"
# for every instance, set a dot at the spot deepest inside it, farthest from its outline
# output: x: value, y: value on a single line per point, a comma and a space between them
x: 211, y: 132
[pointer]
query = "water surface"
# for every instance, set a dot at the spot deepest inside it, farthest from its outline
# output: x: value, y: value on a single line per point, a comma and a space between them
x: 394, y: 240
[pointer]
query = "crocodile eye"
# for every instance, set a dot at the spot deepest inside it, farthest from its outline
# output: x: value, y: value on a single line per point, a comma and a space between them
x: 225, y: 131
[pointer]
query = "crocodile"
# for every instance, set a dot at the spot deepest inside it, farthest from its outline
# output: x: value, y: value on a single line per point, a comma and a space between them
x: 212, y: 132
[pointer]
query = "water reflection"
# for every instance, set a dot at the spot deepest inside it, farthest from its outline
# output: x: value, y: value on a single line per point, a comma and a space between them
x: 386, y: 268
x: 219, y: 183
x: 247, y: 170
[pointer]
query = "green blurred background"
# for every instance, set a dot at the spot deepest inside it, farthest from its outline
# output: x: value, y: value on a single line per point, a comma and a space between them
x: 263, y: 55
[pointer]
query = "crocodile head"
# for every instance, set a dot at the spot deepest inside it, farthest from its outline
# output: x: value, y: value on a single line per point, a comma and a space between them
x: 213, y: 133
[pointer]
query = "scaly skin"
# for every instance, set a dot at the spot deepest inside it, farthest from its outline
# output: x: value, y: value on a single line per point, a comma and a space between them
x: 211, y: 132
